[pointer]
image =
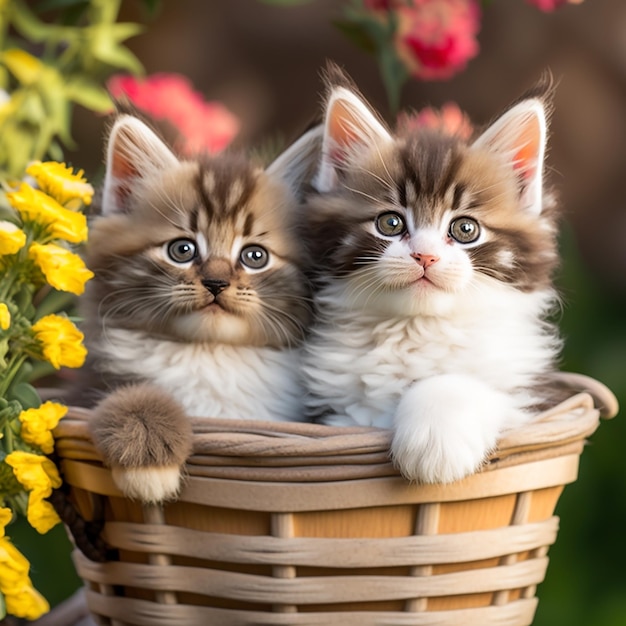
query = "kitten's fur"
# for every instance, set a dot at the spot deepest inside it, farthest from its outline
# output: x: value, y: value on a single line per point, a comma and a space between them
x: 172, y: 333
x: 445, y: 342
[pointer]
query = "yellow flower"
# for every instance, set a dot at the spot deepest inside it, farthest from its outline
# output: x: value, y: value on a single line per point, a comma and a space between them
x: 27, y: 602
x: 34, y: 471
x: 37, y: 424
x: 36, y: 206
x: 6, y: 515
x: 60, y: 182
x: 63, y: 269
x: 61, y: 341
x: 39, y: 475
x: 5, y: 316
x: 13, y: 566
x: 40, y: 513
x: 25, y: 67
x: 12, y: 239
x: 22, y: 600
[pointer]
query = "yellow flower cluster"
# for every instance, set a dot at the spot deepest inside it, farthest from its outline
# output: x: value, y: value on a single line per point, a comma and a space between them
x: 36, y: 206
x: 58, y: 181
x: 38, y: 475
x: 21, y: 598
x: 35, y: 251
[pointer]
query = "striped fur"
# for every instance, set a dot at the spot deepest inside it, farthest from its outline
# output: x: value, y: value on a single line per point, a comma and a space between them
x: 200, y: 300
x: 435, y: 332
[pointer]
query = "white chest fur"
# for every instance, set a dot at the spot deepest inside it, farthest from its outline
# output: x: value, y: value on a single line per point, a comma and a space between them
x: 211, y: 380
x: 360, y: 366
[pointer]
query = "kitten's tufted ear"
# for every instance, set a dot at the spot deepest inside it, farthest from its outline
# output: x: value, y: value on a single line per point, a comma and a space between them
x: 520, y: 136
x: 298, y: 163
x: 133, y: 152
x: 349, y: 125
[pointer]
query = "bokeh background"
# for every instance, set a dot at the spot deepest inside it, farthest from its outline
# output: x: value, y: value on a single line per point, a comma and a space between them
x: 262, y: 61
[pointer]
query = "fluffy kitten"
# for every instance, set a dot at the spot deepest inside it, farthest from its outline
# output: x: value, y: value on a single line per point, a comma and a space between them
x: 436, y: 259
x: 198, y: 304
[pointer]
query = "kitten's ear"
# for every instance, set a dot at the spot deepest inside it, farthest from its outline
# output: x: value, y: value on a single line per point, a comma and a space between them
x: 298, y: 163
x: 349, y: 125
x: 520, y: 136
x: 133, y: 152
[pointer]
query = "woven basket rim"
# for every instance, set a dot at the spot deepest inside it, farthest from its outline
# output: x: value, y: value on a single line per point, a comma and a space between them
x: 302, y: 452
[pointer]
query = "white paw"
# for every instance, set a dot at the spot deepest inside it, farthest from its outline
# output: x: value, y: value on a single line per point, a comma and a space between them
x: 150, y: 485
x: 446, y: 426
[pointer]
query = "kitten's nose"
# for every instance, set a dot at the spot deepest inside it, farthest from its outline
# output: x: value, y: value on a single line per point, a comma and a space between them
x: 425, y: 260
x: 215, y: 285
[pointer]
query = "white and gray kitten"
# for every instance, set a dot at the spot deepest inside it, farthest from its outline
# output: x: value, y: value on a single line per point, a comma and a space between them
x: 199, y: 302
x: 436, y: 256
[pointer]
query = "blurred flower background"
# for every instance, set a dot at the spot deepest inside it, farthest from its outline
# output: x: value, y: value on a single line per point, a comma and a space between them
x: 247, y: 72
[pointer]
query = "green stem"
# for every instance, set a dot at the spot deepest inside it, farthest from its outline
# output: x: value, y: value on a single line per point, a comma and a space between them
x: 12, y: 369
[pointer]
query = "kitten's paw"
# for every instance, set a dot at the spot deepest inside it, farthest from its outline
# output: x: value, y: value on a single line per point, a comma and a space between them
x: 145, y: 437
x: 446, y: 426
x: 150, y: 485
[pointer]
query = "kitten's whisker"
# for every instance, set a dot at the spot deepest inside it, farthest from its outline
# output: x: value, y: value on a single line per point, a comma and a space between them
x: 365, y: 195
x: 382, y: 162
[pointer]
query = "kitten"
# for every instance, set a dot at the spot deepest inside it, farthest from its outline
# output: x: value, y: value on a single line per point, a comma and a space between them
x: 199, y: 301
x: 436, y: 259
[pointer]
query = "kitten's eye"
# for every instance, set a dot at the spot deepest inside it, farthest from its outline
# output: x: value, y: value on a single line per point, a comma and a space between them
x: 255, y: 257
x: 390, y: 224
x: 464, y: 230
x: 182, y: 250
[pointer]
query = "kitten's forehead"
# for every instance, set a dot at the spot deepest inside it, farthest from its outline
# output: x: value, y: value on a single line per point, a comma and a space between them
x: 434, y: 173
x: 225, y: 186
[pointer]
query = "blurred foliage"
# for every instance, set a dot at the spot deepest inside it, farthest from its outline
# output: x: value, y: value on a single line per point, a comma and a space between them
x: 49, y: 65
x: 54, y: 55
x: 585, y: 582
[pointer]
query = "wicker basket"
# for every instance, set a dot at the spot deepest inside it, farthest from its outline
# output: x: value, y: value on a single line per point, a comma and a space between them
x: 310, y: 525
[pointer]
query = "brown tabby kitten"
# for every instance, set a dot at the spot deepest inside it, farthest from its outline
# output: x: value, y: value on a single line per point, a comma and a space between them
x: 198, y: 304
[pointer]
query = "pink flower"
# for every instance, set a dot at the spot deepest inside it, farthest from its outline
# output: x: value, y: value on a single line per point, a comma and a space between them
x: 202, y: 126
x: 436, y: 38
x: 550, y: 5
x: 449, y: 119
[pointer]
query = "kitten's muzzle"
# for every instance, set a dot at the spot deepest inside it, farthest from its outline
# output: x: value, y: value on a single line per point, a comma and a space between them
x: 425, y: 260
x: 215, y: 285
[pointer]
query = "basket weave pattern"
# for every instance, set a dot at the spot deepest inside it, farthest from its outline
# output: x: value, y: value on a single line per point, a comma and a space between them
x: 302, y: 524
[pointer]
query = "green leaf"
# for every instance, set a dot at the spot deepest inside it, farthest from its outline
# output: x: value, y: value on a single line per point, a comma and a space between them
x: 106, y: 47
x: 53, y: 302
x: 33, y: 29
x: 394, y: 76
x: 4, y: 349
x: 3, y: 606
x: 89, y: 94
x: 25, y: 394
x: 357, y: 35
x: 23, y: 375
x: 41, y: 369
x: 16, y: 147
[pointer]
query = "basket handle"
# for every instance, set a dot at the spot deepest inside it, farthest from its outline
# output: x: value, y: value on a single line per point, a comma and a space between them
x: 603, y: 397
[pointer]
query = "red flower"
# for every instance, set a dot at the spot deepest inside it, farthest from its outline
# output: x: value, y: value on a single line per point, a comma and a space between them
x: 202, y: 126
x: 436, y: 38
x: 449, y: 119
x: 550, y: 5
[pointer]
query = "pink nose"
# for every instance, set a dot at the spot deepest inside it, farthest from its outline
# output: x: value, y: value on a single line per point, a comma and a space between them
x: 425, y: 260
